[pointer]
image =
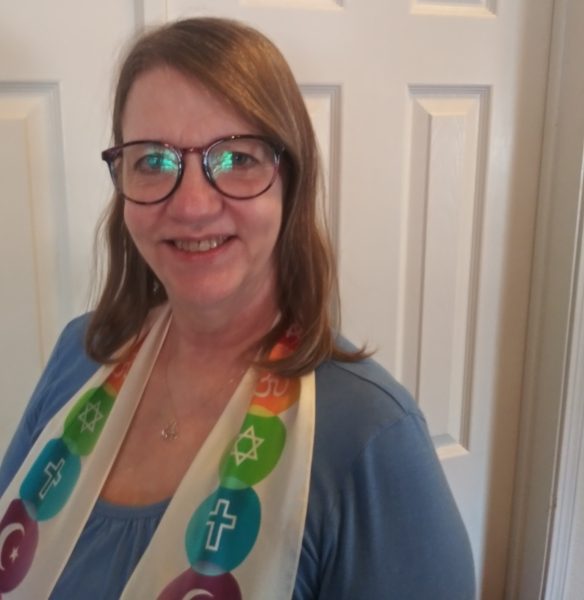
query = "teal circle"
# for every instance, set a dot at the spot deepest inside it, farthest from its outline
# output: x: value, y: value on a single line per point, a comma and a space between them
x: 223, y: 530
x: 50, y: 481
x: 254, y: 453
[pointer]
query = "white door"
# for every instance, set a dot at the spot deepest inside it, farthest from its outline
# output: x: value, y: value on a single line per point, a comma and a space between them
x: 55, y: 80
x: 429, y: 116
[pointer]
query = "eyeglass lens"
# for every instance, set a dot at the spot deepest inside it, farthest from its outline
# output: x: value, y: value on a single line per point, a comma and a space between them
x: 239, y: 168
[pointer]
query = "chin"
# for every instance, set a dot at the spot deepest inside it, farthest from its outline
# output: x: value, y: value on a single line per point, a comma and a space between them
x: 205, y: 297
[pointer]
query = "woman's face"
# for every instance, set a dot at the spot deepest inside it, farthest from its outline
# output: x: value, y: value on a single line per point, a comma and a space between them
x: 209, y: 251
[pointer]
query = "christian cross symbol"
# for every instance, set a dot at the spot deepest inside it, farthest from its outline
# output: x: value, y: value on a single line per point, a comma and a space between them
x: 221, y: 520
x: 53, y: 472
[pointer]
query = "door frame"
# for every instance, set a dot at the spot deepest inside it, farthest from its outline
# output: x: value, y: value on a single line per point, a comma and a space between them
x: 544, y: 494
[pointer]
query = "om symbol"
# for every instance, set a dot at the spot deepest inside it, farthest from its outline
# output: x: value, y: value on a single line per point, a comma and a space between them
x: 271, y: 385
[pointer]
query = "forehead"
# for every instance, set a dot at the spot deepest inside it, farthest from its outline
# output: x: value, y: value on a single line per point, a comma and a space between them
x: 164, y: 104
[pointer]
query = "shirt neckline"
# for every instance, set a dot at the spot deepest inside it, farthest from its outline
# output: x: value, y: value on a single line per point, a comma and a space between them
x: 120, y: 511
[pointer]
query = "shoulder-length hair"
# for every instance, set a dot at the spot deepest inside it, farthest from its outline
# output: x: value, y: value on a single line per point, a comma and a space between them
x: 244, y: 69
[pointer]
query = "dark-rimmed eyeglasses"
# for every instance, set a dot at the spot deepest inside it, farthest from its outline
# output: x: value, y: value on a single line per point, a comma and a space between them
x: 239, y: 167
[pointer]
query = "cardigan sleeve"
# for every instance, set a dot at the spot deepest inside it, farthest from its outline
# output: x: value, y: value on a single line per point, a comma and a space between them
x: 66, y: 371
x: 395, y: 531
x: 381, y: 521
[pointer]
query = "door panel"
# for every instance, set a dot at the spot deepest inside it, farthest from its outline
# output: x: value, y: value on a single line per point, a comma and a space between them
x: 55, y: 73
x: 437, y: 144
x: 429, y: 118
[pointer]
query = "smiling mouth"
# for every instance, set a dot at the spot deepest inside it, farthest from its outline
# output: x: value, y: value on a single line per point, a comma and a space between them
x: 198, y: 246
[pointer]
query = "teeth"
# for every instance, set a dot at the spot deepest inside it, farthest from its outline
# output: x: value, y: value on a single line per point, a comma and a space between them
x: 200, y: 246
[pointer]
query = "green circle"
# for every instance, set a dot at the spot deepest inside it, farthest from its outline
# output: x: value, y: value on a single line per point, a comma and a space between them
x: 253, y: 453
x: 86, y: 420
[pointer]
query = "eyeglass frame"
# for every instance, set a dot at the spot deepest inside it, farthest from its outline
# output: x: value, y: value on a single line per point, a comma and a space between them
x: 111, y: 154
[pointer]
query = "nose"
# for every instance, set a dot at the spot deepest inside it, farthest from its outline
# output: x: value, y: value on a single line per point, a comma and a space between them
x: 195, y: 198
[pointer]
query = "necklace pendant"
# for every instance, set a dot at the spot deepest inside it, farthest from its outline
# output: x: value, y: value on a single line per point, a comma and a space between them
x: 170, y: 431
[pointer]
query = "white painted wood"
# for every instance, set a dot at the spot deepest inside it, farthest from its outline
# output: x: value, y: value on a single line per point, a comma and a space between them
x: 377, y: 53
x: 565, y: 575
x: 55, y: 81
x: 323, y: 104
x: 35, y: 108
x: 550, y: 327
x: 295, y: 4
x: 484, y: 64
x: 460, y: 8
x: 32, y: 241
x: 151, y: 12
x: 18, y: 274
x: 443, y: 233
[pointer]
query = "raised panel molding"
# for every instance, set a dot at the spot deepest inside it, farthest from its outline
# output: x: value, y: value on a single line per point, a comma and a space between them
x: 442, y: 229
x: 298, y: 4
x: 465, y: 8
x: 34, y: 207
x: 150, y: 13
x: 323, y: 103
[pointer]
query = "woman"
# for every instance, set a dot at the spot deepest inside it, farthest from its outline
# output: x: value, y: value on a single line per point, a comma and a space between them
x: 214, y: 439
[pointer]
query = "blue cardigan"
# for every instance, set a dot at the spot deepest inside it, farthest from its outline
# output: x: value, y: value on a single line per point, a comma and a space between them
x: 381, y: 519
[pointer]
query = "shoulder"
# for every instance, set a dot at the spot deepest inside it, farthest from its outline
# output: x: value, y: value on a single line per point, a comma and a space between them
x: 355, y: 402
x: 73, y: 334
x: 67, y: 369
x: 363, y: 384
x: 360, y: 410
x: 380, y: 513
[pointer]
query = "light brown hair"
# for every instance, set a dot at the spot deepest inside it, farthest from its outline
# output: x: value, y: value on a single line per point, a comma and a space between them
x: 249, y: 73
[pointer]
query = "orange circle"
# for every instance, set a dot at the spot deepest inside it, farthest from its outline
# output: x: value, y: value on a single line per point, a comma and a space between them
x: 275, y: 394
x: 117, y: 377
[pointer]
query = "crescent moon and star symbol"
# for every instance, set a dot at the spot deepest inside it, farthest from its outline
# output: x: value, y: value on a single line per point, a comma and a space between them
x: 198, y: 593
x: 18, y: 543
x: 191, y: 585
x: 4, y: 535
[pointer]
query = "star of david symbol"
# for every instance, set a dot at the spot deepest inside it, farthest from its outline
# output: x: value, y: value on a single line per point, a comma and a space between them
x: 252, y: 452
x: 90, y: 417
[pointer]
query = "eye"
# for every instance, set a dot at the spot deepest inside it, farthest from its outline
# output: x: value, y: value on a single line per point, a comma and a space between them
x: 156, y: 161
x: 229, y: 160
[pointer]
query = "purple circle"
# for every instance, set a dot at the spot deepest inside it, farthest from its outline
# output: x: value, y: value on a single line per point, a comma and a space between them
x: 191, y: 585
x: 19, y: 536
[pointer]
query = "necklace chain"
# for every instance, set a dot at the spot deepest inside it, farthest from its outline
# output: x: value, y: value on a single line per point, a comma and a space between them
x: 170, y: 431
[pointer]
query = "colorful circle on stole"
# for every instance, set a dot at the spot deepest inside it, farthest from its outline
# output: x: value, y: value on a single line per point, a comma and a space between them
x: 50, y: 481
x: 191, y: 585
x: 86, y: 420
x: 274, y: 394
x: 254, y: 452
x: 223, y: 530
x: 19, y: 536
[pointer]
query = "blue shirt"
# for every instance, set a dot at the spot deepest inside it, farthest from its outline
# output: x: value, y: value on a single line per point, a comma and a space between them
x: 381, y: 520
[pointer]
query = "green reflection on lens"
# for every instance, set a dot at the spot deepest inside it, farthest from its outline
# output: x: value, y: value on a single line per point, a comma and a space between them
x: 225, y: 162
x: 164, y: 162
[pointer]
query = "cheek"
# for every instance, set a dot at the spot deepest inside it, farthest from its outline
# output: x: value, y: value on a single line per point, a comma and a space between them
x: 275, y: 210
x: 139, y: 228
x: 268, y: 226
x: 136, y: 222
x: 129, y: 218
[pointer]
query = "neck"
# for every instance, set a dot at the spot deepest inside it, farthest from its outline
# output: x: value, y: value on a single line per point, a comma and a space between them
x: 226, y: 336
